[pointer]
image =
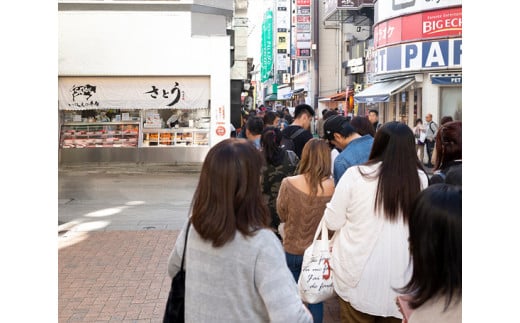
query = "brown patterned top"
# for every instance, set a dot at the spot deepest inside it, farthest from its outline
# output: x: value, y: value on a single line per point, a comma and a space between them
x: 301, y: 215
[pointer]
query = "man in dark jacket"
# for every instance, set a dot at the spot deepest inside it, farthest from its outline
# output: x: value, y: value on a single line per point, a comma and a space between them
x: 303, y: 116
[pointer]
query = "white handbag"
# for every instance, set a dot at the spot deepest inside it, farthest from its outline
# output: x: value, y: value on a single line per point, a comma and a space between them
x: 315, y: 282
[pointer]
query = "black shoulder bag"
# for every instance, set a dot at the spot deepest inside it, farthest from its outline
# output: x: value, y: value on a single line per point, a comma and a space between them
x: 175, y: 305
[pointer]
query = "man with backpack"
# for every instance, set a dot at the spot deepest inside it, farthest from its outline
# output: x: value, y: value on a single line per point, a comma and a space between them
x: 296, y: 135
x: 431, y: 131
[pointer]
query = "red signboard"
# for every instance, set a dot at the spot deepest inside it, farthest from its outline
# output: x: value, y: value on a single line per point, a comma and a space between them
x: 303, y: 2
x: 420, y: 26
x: 301, y: 18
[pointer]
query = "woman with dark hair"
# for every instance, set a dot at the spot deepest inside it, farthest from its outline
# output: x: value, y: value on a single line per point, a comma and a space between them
x: 300, y: 204
x: 369, y: 212
x: 271, y: 119
x: 362, y: 126
x: 444, y: 120
x: 235, y: 266
x: 448, y: 148
x: 434, y: 292
x: 279, y: 164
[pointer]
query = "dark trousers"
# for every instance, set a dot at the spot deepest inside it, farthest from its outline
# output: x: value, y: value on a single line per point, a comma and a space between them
x: 429, y: 150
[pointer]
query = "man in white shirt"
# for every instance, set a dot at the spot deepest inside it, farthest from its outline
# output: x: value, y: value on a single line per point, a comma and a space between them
x: 431, y: 132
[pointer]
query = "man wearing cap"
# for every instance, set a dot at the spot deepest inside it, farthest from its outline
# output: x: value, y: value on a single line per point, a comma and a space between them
x: 303, y: 115
x: 355, y: 149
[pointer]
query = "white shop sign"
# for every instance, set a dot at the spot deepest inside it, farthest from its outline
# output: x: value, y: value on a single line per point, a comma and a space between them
x: 82, y: 93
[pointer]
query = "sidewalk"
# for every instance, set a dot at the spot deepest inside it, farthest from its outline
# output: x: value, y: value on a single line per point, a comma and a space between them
x: 120, y: 276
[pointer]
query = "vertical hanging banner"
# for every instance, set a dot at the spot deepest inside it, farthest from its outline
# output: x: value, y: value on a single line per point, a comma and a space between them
x: 267, y: 46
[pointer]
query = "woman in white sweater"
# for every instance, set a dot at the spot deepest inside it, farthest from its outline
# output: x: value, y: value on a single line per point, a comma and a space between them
x: 235, y: 265
x: 369, y: 211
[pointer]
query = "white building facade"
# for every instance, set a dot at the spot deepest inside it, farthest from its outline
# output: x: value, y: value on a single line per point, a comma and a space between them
x: 143, y: 81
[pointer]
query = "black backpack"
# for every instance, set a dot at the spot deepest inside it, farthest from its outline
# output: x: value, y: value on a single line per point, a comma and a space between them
x: 287, y: 142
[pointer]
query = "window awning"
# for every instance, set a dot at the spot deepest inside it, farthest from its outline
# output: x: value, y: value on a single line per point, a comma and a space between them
x: 381, y: 92
x: 336, y: 97
x: 271, y: 97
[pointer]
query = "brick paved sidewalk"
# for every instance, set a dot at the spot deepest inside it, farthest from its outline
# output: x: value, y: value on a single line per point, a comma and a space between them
x: 120, y: 276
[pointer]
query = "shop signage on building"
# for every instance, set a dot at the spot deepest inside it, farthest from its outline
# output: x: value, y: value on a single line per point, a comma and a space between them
x: 425, y: 25
x: 356, y: 65
x: 419, y: 56
x: 267, y: 46
x: 333, y: 5
x: 447, y: 79
x: 85, y: 93
x: 303, y: 28
x: 386, y: 9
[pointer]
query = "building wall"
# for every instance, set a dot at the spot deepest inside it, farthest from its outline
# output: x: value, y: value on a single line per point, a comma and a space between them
x: 240, y: 25
x: 431, y: 102
x: 144, y: 43
x: 330, y: 60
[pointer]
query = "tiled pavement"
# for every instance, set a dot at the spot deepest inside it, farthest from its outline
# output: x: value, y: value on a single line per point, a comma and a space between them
x: 120, y: 276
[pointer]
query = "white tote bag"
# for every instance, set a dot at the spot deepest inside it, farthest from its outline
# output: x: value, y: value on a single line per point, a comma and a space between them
x: 315, y: 282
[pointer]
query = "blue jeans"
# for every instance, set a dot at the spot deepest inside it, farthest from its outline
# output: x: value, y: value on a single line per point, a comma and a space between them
x: 294, y: 262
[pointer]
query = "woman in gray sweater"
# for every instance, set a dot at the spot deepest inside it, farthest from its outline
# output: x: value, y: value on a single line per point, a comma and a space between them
x: 235, y: 265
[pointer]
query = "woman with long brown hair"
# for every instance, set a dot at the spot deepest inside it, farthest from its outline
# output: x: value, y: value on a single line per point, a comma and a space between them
x: 235, y: 265
x: 300, y: 205
x: 448, y: 148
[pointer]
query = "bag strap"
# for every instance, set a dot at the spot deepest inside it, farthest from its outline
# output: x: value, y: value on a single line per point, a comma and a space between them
x: 322, y: 228
x: 297, y: 133
x: 185, y: 242
x: 430, y: 126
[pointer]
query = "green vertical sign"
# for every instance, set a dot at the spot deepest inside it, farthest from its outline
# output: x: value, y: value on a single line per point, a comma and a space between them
x: 267, y: 46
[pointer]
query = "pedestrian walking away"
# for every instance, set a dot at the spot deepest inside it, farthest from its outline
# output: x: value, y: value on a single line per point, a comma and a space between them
x: 355, y: 148
x: 303, y: 116
x: 300, y: 204
x: 235, y: 265
x: 369, y: 212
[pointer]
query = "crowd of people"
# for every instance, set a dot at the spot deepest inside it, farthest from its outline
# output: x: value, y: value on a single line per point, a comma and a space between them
x: 397, y: 229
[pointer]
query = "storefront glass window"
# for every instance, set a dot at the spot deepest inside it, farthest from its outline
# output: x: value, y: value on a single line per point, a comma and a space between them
x: 451, y: 102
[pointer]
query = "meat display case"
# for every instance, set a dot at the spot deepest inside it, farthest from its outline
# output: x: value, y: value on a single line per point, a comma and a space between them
x: 99, y: 134
x: 175, y: 137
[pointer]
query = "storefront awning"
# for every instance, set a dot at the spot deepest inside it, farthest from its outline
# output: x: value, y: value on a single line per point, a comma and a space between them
x: 271, y: 97
x: 336, y: 97
x: 284, y: 93
x: 381, y: 92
